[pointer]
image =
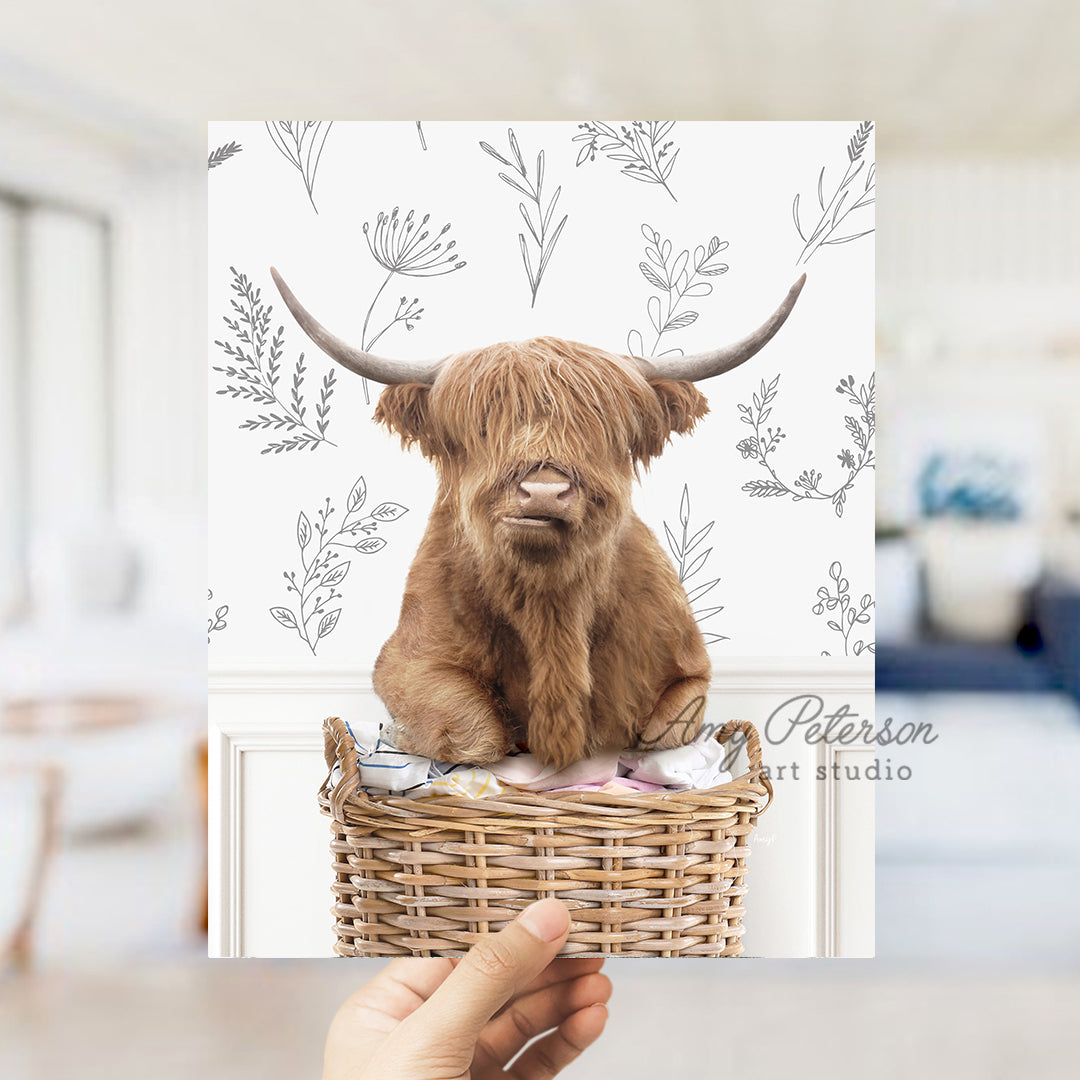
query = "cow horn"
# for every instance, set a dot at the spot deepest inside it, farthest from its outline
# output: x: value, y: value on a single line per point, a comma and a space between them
x: 356, y: 360
x: 707, y: 364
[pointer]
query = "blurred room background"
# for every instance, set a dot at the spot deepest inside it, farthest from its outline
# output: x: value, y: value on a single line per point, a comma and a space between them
x: 102, y: 487
x: 978, y: 552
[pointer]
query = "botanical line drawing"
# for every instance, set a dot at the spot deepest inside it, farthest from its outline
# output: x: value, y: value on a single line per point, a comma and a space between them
x: 405, y: 246
x: 255, y: 367
x: 762, y: 445
x: 683, y: 546
x: 542, y: 234
x: 837, y: 209
x: 222, y: 153
x: 316, y: 585
x: 217, y: 620
x: 675, y: 279
x: 301, y: 144
x: 640, y: 148
x: 848, y: 614
x: 420, y: 132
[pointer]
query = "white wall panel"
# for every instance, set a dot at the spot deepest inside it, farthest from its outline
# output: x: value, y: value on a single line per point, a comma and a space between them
x: 811, y: 873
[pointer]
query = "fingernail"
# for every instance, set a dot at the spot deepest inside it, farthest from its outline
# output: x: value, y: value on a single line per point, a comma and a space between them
x: 546, y: 920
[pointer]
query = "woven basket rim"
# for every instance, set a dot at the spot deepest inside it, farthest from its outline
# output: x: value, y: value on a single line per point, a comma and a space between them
x: 340, y: 749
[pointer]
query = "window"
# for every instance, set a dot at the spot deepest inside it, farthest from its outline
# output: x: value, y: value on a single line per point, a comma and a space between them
x: 56, y: 460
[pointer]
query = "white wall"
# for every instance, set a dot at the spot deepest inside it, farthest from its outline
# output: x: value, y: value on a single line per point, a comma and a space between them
x: 107, y: 387
x: 770, y: 556
x: 979, y: 289
x: 736, y: 181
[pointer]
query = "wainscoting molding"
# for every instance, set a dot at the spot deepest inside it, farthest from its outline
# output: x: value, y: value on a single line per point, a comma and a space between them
x: 817, y: 869
x: 845, y: 882
x: 740, y: 674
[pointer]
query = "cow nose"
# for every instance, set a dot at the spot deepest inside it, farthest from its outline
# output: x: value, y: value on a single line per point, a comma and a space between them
x: 546, y: 492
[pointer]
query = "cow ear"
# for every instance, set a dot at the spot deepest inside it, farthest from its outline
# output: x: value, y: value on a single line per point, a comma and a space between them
x: 682, y: 405
x: 405, y: 409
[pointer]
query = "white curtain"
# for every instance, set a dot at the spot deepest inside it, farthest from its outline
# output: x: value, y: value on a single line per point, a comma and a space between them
x: 12, y: 482
x: 55, y: 415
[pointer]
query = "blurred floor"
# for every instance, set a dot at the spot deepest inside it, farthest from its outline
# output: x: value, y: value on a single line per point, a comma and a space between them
x: 130, y: 896
x: 978, y: 854
x: 265, y: 1020
x: 978, y: 871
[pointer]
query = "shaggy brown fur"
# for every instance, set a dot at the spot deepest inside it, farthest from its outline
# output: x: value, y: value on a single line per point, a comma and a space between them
x: 574, y: 637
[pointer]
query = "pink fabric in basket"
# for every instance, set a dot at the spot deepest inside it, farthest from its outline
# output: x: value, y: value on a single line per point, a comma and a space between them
x: 621, y: 783
x: 525, y: 772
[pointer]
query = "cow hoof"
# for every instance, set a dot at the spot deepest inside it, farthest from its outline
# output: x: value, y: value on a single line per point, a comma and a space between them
x: 560, y: 751
x: 479, y: 743
x: 664, y: 735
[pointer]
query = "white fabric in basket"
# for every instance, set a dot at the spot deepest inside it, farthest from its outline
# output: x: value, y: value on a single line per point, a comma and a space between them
x: 699, y: 764
x: 385, y: 770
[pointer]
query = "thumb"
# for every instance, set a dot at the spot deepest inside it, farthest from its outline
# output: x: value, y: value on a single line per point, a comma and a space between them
x: 492, y: 972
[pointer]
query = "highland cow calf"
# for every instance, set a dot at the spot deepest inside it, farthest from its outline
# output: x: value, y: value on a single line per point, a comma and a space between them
x: 539, y: 607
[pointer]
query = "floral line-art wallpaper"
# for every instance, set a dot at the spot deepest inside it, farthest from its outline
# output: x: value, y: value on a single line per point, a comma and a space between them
x: 675, y: 279
x: 585, y: 254
x: 541, y: 233
x: 639, y: 147
x: 406, y: 246
x: 222, y: 154
x: 255, y: 373
x: 322, y: 569
x: 847, y: 614
x: 216, y: 621
x: 301, y: 144
x: 834, y: 212
x: 689, y: 561
x: 764, y: 444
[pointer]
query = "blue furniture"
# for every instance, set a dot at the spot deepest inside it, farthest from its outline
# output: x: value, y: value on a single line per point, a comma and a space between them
x: 1057, y: 610
x: 1028, y: 666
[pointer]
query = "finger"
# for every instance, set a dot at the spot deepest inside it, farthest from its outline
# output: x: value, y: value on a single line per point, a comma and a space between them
x: 560, y: 970
x: 547, y: 1057
x: 420, y: 975
x: 493, y: 970
x: 541, y: 1011
x: 400, y: 988
x: 372, y: 1013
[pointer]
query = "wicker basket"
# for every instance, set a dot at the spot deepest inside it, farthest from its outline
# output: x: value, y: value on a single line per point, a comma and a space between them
x: 643, y: 874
